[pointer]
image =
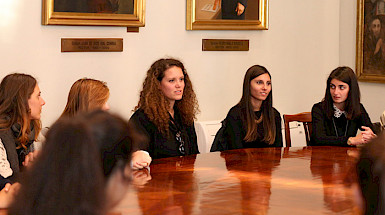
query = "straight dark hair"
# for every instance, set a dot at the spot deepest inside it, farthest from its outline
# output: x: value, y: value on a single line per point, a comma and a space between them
x: 371, y: 176
x: 352, y: 103
x: 249, y: 117
x: 71, y: 172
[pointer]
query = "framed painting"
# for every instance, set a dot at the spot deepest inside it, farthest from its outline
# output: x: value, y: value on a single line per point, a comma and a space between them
x: 227, y: 14
x: 128, y: 13
x: 370, y: 48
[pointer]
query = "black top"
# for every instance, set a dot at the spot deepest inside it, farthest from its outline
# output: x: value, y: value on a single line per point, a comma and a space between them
x: 236, y: 130
x: 3, y: 182
x: 228, y: 9
x: 324, y: 129
x: 9, y: 141
x: 15, y: 156
x: 160, y: 145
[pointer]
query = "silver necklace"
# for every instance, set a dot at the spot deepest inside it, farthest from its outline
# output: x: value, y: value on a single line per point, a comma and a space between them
x: 335, y: 127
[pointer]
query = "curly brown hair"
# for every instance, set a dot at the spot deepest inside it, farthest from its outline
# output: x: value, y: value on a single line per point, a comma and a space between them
x: 155, y: 105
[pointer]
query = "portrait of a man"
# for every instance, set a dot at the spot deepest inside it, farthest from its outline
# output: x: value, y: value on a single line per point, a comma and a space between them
x: 227, y: 9
x: 233, y: 9
x: 227, y: 15
x: 374, y: 46
x: 95, y: 6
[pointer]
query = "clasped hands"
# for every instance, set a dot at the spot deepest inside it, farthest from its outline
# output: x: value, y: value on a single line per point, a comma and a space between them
x: 365, y: 136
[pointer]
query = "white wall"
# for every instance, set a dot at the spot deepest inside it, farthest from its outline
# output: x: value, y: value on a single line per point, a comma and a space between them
x: 301, y: 47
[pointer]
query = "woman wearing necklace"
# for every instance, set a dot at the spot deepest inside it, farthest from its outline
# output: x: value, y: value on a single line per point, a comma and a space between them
x: 164, y: 116
x: 253, y: 122
x: 337, y: 118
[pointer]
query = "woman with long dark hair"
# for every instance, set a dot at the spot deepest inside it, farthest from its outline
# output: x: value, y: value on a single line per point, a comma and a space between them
x: 166, y: 111
x: 254, y: 122
x: 337, y: 118
x: 82, y: 169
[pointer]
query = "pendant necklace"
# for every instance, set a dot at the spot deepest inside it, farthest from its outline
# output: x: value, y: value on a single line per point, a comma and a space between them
x: 335, y: 127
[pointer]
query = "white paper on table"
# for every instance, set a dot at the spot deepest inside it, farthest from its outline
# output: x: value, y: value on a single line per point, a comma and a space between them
x: 209, y: 8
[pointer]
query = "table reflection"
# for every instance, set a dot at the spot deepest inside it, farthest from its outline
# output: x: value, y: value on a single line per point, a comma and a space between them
x: 338, y: 176
x: 254, y: 171
x: 309, y: 180
x: 172, y: 188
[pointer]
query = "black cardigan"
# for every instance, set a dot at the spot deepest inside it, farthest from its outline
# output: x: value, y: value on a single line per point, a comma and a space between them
x: 236, y: 130
x: 324, y: 132
x: 3, y: 182
x: 9, y: 142
x: 159, y: 145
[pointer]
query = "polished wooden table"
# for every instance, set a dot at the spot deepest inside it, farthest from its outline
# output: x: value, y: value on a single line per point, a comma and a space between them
x: 309, y: 180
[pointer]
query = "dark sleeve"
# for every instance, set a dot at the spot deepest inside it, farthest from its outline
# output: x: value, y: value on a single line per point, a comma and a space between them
x: 193, y: 140
x: 3, y: 182
x: 278, y: 129
x: 243, y: 2
x: 319, y: 134
x: 365, y: 119
x: 233, y: 131
x: 139, y: 124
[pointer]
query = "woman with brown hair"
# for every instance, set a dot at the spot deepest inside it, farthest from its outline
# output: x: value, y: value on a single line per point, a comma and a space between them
x: 338, y: 117
x: 87, y: 174
x: 254, y: 122
x: 166, y: 111
x: 85, y: 95
x: 20, y: 112
x: 89, y: 94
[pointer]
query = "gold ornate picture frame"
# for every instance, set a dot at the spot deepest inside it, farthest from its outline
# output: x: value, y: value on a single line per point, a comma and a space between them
x: 128, y: 13
x: 370, y: 41
x: 214, y: 15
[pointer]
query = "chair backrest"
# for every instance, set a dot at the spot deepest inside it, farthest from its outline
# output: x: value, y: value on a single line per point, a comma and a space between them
x: 305, y: 118
x: 206, y: 131
x: 377, y: 128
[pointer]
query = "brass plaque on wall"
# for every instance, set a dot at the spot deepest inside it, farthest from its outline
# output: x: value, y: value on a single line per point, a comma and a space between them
x: 225, y: 45
x: 91, y: 45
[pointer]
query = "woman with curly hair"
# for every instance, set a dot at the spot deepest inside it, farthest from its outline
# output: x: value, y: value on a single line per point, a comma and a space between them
x: 166, y: 111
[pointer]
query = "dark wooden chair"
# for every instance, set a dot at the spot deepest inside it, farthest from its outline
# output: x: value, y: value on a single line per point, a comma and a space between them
x: 305, y: 118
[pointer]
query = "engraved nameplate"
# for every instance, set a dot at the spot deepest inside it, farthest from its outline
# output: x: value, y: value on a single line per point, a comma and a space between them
x: 91, y: 45
x: 225, y: 45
